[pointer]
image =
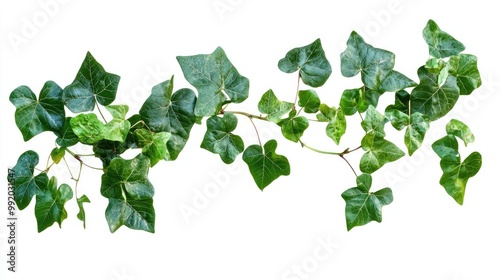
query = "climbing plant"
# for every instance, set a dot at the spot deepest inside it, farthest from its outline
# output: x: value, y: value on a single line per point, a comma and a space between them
x: 161, y: 128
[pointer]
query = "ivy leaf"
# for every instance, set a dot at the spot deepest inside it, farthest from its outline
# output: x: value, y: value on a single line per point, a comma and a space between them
x: 309, y: 100
x: 172, y: 113
x: 358, y: 100
x: 265, y: 166
x: 464, y: 68
x: 401, y: 102
x: 441, y: 44
x: 363, y: 206
x: 91, y: 84
x: 337, y: 123
x: 373, y: 63
x: 154, y: 145
x: 274, y: 108
x: 81, y: 214
x: 293, y: 127
x: 57, y: 154
x: 415, y: 132
x: 107, y: 150
x: 446, y: 146
x: 314, y: 68
x: 456, y: 174
x: 88, y: 128
x: 66, y: 137
x: 432, y: 99
x: 25, y: 183
x: 374, y: 122
x: 398, y: 119
x: 378, y: 152
x: 36, y: 116
x: 396, y: 81
x: 118, y: 128
x: 460, y: 130
x: 49, y: 207
x: 125, y: 183
x: 220, y: 140
x: 216, y: 79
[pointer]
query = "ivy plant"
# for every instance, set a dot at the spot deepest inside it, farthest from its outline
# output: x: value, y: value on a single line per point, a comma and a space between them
x: 161, y: 128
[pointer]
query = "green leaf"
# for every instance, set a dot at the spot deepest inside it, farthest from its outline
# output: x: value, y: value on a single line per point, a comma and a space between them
x: 378, y: 152
x: 441, y: 44
x: 81, y: 214
x: 57, y: 154
x: 154, y: 145
x: 172, y: 113
x: 373, y: 63
x: 336, y: 122
x: 310, y: 60
x: 216, y: 79
x: 363, y: 206
x: 432, y: 99
x: 118, y: 128
x: 49, y: 207
x: 396, y: 81
x: 358, y: 100
x: 460, y: 130
x: 401, y: 102
x: 464, y: 68
x: 398, y: 119
x: 36, y: 116
x: 125, y: 183
x: 88, y: 128
x: 446, y: 146
x: 265, y: 166
x: 456, y: 174
x: 415, y: 132
x: 219, y: 140
x: 108, y: 150
x: 66, y: 137
x: 91, y: 84
x: 374, y: 122
x: 293, y: 127
x: 309, y: 100
x: 274, y: 108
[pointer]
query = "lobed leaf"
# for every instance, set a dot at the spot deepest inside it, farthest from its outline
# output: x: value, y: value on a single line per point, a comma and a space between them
x: 460, y: 130
x: 274, y: 108
x: 378, y: 152
x: 456, y: 174
x: 88, y: 128
x: 441, y: 44
x: 464, y: 68
x: 336, y: 122
x: 220, y: 140
x: 309, y: 100
x: 81, y: 213
x: 49, y: 207
x: 294, y: 127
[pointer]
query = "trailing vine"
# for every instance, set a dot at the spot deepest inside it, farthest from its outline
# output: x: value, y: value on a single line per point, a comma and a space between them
x: 161, y: 128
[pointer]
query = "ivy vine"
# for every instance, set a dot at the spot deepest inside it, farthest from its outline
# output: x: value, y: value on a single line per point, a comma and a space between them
x: 161, y: 128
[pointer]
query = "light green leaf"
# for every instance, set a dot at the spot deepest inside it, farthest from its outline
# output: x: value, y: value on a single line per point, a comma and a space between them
x: 415, y: 132
x: 311, y: 61
x: 91, y: 84
x: 66, y: 137
x: 456, y: 174
x: 374, y: 122
x: 274, y: 108
x: 432, y: 99
x: 49, y: 207
x: 36, y: 116
x: 363, y: 206
x: 460, y: 130
x: 81, y: 214
x: 398, y: 119
x: 172, y: 113
x: 220, y: 140
x: 24, y: 181
x: 446, y: 146
x: 378, y: 152
x: 118, y: 128
x: 216, y: 79
x: 154, y: 145
x: 88, y: 128
x: 337, y: 123
x: 57, y: 154
x: 441, y: 44
x: 464, y: 68
x: 309, y: 100
x: 293, y: 127
x: 265, y: 166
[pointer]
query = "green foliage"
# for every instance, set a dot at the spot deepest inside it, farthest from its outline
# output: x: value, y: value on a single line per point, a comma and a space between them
x: 162, y: 127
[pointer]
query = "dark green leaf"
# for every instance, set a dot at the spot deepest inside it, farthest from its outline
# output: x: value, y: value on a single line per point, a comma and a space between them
x: 336, y: 122
x: 441, y: 44
x: 66, y: 137
x: 456, y: 174
x: 396, y: 81
x: 25, y: 183
x: 172, y: 113
x: 432, y: 99
x: 107, y: 150
x: 401, y: 102
x: 81, y: 214
x: 117, y: 129
x: 91, y: 84
x: 309, y: 100
x: 88, y: 128
x: 373, y: 63
x: 216, y: 79
x: 460, y: 130
x: 358, y: 100
x: 378, y: 152
x: 293, y: 128
x: 273, y: 107
x: 464, y: 68
x: 415, y: 132
x: 374, y: 122
x: 36, y: 116
x: 446, y: 146
x: 219, y: 140
x: 311, y: 61
x: 49, y: 207
x: 133, y: 213
x: 57, y: 154
x: 265, y: 166
x: 363, y: 206
x: 154, y: 145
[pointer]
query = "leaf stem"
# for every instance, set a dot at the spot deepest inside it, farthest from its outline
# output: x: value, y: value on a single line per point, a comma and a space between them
x: 297, y: 92
x: 341, y: 154
x: 99, y: 109
x: 348, y: 163
x: 251, y: 116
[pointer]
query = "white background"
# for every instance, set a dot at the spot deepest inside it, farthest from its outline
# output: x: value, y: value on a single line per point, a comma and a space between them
x: 241, y: 232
